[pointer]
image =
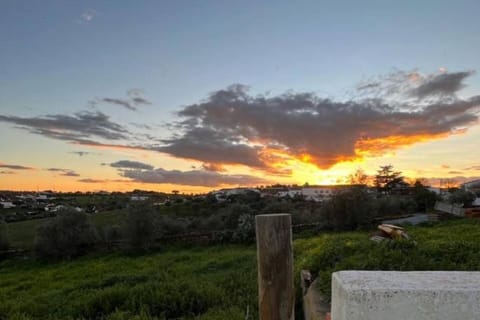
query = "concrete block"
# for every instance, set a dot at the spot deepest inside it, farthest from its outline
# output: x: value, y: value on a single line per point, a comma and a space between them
x: 417, y: 295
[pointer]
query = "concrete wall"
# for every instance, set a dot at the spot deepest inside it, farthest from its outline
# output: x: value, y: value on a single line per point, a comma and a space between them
x: 391, y: 295
x: 449, y: 208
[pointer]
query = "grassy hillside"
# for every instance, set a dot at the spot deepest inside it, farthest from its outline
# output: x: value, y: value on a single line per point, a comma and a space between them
x: 211, y: 283
x: 217, y: 282
x: 452, y: 245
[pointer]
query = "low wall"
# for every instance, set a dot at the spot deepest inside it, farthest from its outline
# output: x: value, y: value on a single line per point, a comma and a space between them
x: 450, y: 208
x: 392, y: 295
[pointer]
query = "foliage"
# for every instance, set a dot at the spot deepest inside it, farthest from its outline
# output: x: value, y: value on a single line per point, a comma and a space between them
x: 386, y: 178
x: 68, y: 235
x: 246, y: 228
x: 462, y: 196
x: 140, y: 226
x: 424, y: 198
x: 198, y: 283
x: 358, y: 177
x: 110, y: 233
x: 445, y: 246
x: 350, y: 210
x: 4, y: 242
x: 392, y: 205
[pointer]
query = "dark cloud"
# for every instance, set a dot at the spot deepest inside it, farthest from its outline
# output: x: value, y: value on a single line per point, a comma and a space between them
x: 213, y: 146
x: 90, y: 180
x: 473, y: 168
x: 455, y: 172
x: 121, y: 102
x: 64, y: 172
x: 7, y: 172
x: 233, y: 127
x: 83, y: 153
x: 441, y: 84
x: 213, y: 167
x: 77, y: 128
x: 132, y: 102
x: 191, y: 178
x: 127, y: 164
x: 15, y: 167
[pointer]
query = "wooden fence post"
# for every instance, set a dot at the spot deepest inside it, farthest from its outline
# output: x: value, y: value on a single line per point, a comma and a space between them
x: 276, y: 292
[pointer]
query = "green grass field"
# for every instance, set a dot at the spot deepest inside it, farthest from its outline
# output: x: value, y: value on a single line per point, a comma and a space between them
x: 216, y: 282
x: 201, y: 283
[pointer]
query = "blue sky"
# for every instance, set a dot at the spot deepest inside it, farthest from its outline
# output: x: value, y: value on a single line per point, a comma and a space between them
x: 56, y: 56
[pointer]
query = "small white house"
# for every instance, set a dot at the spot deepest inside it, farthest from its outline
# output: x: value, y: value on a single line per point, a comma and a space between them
x: 7, y: 204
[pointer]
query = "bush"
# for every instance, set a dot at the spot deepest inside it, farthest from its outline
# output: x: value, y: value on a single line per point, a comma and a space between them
x: 140, y: 226
x: 350, y: 210
x: 246, y: 228
x: 4, y: 243
x: 68, y: 235
x: 462, y: 197
x: 110, y: 234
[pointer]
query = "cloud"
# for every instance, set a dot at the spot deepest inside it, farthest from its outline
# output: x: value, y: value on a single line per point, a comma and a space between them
x: 191, y: 178
x: 213, y: 167
x: 441, y: 84
x: 88, y: 15
x: 83, y: 153
x: 91, y: 180
x: 132, y: 102
x: 77, y: 128
x: 455, y: 172
x: 267, y: 132
x: 64, y: 172
x: 7, y: 172
x: 127, y: 164
x: 15, y: 167
x: 477, y: 167
x: 412, y: 84
x: 445, y: 166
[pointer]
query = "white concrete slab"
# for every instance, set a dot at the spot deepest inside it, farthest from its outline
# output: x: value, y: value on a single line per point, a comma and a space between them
x: 417, y: 295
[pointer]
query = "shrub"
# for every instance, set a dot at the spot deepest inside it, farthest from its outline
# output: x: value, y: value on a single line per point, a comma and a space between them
x: 110, y: 234
x: 68, y: 235
x: 462, y: 197
x: 140, y: 226
x: 4, y: 243
x: 350, y: 210
x: 246, y: 228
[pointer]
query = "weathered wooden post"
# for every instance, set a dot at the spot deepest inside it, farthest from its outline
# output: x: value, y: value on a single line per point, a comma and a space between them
x: 276, y: 292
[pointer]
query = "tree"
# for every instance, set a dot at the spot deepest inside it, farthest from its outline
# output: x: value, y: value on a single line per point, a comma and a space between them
x: 350, y: 210
x: 68, y: 235
x: 4, y: 243
x: 462, y: 196
x: 424, y: 198
x: 386, y: 179
x: 140, y: 226
x: 358, y: 177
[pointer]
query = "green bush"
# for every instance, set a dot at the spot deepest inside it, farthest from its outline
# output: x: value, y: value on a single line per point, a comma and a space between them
x: 68, y: 235
x: 141, y: 226
x: 350, y: 210
x: 4, y: 243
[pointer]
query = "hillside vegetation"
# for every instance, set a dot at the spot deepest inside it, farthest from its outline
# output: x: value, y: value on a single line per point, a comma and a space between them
x: 216, y: 282
x: 201, y: 283
x: 452, y: 245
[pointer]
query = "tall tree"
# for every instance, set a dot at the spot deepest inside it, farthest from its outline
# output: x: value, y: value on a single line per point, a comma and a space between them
x: 358, y: 177
x: 386, y: 178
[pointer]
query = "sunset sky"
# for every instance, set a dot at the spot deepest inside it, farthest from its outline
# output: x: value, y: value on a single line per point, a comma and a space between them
x: 199, y: 95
